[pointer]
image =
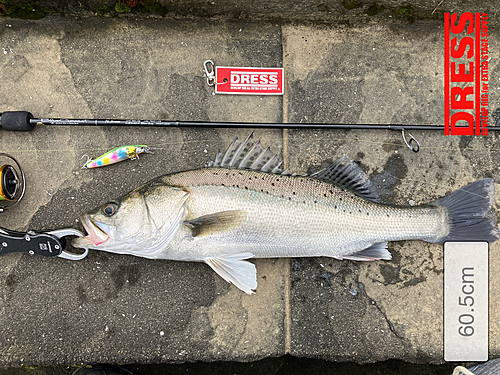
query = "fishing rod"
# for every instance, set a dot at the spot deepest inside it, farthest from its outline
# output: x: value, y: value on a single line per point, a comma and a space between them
x: 24, y: 121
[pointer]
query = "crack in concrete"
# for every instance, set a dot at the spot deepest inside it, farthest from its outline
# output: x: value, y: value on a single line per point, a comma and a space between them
x: 361, y: 287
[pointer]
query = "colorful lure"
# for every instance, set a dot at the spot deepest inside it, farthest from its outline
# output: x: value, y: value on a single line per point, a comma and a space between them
x: 116, y: 155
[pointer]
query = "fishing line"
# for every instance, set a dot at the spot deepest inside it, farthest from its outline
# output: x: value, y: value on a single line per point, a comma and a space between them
x: 227, y: 140
x: 477, y: 149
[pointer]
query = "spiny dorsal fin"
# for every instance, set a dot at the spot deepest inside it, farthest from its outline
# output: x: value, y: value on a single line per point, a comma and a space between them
x: 251, y: 155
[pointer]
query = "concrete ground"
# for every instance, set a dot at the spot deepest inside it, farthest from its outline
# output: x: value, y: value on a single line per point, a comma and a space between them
x: 116, y: 308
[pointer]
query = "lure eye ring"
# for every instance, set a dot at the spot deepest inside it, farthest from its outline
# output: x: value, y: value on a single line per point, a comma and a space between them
x: 110, y: 209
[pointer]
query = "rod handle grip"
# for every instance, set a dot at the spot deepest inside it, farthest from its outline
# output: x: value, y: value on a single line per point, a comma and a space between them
x: 16, y: 121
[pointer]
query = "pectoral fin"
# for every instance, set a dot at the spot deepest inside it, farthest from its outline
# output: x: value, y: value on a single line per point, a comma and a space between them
x: 216, y: 222
x: 236, y: 270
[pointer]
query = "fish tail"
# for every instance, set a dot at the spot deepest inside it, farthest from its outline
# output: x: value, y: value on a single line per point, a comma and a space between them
x: 467, y: 210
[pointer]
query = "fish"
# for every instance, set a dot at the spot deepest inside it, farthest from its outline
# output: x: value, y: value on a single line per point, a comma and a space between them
x: 243, y: 205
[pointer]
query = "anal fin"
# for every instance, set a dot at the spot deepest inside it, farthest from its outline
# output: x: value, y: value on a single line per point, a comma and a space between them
x: 376, y: 251
x: 236, y: 270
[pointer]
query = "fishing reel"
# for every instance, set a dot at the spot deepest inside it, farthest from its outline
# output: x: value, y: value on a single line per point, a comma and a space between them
x: 12, y: 182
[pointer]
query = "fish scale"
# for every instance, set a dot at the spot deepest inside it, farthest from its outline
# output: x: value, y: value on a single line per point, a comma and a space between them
x: 299, y: 211
x: 244, y: 205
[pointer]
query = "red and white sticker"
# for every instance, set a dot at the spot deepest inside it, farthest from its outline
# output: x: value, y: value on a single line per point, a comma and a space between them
x: 248, y: 81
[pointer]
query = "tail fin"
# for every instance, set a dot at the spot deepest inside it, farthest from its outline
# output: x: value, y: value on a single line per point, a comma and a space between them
x: 467, y: 208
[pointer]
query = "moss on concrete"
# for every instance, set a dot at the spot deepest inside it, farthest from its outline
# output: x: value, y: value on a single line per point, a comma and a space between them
x: 407, y: 12
x: 31, y: 10
x: 352, y: 4
x: 374, y: 9
x: 122, y: 7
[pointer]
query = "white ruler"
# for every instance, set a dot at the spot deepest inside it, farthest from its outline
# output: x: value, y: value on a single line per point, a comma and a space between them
x: 466, y: 301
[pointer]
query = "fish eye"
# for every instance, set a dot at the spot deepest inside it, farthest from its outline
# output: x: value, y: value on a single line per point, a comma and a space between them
x: 110, y: 209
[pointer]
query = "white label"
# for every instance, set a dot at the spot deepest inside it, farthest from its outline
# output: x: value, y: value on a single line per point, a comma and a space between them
x: 466, y: 301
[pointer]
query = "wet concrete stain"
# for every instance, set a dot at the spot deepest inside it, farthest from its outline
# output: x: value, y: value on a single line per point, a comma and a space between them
x: 327, y: 276
x: 125, y: 274
x: 297, y: 265
x: 414, y: 281
x: 395, y: 170
x: 81, y: 293
x: 496, y: 116
x: 391, y: 146
x: 390, y: 274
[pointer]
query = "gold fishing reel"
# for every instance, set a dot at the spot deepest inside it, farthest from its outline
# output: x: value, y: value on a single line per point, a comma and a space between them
x: 12, y: 182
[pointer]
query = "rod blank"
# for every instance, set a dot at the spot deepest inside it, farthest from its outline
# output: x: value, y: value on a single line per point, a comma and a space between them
x: 24, y: 121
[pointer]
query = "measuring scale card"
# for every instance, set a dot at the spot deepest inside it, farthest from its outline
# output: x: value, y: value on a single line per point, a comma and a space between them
x: 466, y: 301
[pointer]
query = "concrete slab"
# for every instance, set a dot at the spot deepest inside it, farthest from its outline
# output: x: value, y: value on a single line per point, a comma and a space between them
x: 111, y: 308
x: 373, y: 311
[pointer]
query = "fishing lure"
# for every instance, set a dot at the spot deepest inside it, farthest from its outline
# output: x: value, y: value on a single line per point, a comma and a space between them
x: 117, y: 154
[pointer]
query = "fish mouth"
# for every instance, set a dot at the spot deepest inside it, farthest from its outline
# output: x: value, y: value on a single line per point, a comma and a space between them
x: 96, y: 235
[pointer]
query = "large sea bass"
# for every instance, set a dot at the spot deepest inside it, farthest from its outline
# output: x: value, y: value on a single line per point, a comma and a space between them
x: 243, y: 205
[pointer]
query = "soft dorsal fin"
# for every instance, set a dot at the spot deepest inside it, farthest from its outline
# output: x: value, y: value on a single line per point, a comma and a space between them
x: 348, y: 176
x: 249, y: 154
